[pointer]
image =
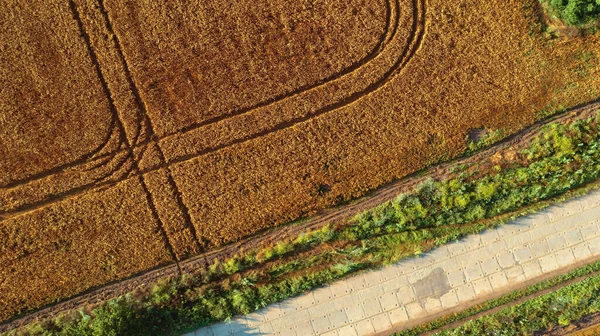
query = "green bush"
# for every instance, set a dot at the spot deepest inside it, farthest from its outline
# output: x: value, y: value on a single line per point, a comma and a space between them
x: 576, y: 12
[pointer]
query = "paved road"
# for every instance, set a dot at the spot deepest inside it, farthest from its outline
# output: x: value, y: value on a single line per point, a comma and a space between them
x: 454, y: 274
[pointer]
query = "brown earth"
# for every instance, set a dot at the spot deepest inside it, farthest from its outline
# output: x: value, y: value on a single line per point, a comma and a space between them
x: 145, y: 133
x: 586, y: 326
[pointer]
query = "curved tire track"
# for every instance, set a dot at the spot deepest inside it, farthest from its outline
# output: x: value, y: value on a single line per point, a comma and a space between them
x: 392, y: 23
x: 91, y: 155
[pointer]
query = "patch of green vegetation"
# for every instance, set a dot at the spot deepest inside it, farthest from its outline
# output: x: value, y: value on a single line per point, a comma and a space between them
x: 488, y: 139
x: 575, y: 12
x: 560, y: 158
x: 502, y: 300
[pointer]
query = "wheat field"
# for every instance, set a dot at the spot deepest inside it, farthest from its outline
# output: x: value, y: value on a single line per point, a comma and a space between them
x: 135, y: 134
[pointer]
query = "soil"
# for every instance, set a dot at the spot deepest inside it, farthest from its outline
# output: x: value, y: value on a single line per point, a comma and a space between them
x: 587, y: 326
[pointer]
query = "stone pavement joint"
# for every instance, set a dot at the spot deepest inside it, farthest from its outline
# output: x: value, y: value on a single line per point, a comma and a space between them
x: 449, y: 276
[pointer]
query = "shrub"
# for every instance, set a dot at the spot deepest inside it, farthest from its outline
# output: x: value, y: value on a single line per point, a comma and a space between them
x: 576, y: 12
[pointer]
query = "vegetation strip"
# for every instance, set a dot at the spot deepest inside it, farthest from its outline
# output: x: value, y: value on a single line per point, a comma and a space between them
x: 575, y: 12
x: 555, y: 159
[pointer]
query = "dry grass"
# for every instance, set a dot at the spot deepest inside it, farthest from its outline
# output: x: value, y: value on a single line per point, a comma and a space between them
x: 239, y: 116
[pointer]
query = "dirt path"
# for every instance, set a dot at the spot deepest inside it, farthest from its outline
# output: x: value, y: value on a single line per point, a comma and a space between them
x: 337, y: 214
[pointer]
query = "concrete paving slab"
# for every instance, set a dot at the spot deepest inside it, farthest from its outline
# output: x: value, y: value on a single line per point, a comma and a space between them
x: 254, y: 319
x: 288, y: 307
x: 549, y: 263
x: 589, y: 201
x: 381, y: 322
x: 482, y: 287
x: 356, y: 283
x: 221, y: 329
x: 532, y: 269
x: 473, y: 272
x: 415, y: 310
x: 539, y: 248
x: 338, y: 318
x: 281, y: 324
x: 322, y: 294
x: 347, y: 330
x: 371, y: 306
x: 489, y: 236
x: 331, y: 333
x: 321, y: 309
x: 465, y: 292
x: 321, y: 324
x: 439, y: 254
x: 490, y: 266
x: 204, y: 332
x: 355, y: 313
x: 364, y: 327
x: 594, y: 245
x: 522, y: 254
x: 304, y: 328
x: 395, y: 284
x: 573, y: 237
x: 398, y: 315
x: 581, y: 251
x: 300, y: 315
x: 305, y: 301
x: 520, y: 239
x: 498, y: 280
x: 389, y: 301
x: 515, y: 274
x: 556, y: 242
x: 207, y: 331
x: 344, y: 301
x: 456, y: 248
x: 449, y: 299
x: 506, y: 259
x: 472, y: 242
x: 450, y: 265
x: 493, y: 248
x: 339, y: 289
x: 565, y: 257
x: 432, y: 305
x: 266, y: 329
x: 406, y: 295
x: 589, y: 230
x: 373, y: 278
x: 370, y: 292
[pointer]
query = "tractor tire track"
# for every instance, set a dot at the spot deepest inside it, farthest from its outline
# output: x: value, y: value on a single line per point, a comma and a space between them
x: 388, y: 35
x: 82, y: 159
x: 374, y: 52
x: 415, y: 40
